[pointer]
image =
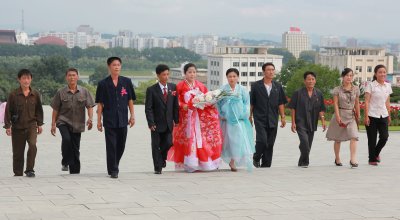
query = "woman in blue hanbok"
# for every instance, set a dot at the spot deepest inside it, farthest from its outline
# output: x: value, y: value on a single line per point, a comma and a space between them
x: 234, y: 110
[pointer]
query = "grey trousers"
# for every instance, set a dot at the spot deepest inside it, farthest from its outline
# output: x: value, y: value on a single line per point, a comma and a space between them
x: 306, y: 138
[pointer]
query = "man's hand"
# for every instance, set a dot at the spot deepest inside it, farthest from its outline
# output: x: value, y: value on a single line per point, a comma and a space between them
x: 89, y: 124
x: 153, y: 128
x: 294, y: 129
x: 39, y: 129
x: 100, y: 126
x: 53, y: 130
x: 131, y: 122
x: 8, y: 131
x: 366, y: 121
x: 283, y: 122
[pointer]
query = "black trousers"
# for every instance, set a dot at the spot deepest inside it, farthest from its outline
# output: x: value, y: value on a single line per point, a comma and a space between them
x: 306, y: 138
x: 115, y: 146
x: 19, y: 138
x: 381, y: 126
x: 70, y: 146
x: 160, y: 144
x: 265, y: 140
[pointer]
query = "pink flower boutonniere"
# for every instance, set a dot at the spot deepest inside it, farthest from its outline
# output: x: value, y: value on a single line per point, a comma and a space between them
x: 173, y: 93
x: 123, y: 91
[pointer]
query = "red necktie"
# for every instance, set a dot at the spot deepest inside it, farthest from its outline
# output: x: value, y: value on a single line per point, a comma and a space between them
x: 165, y: 94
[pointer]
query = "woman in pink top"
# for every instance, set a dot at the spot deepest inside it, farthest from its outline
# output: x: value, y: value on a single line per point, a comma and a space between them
x: 377, y: 113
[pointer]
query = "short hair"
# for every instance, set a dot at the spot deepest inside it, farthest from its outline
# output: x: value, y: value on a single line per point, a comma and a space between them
x: 309, y: 73
x: 230, y: 70
x: 24, y: 72
x: 72, y: 70
x: 376, y: 70
x: 112, y: 59
x: 346, y: 71
x: 187, y: 66
x: 161, y: 68
x: 267, y: 64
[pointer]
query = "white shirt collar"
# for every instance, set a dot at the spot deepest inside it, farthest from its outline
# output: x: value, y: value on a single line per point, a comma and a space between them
x: 162, y: 87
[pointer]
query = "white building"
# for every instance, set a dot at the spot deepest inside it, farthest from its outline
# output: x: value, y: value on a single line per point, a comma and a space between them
x: 330, y: 41
x: 296, y: 41
x: 22, y: 38
x: 68, y: 37
x: 247, y: 59
x: 203, y: 44
x: 361, y: 60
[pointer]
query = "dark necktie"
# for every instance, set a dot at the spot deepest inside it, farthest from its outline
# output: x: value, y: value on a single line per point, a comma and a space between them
x: 165, y: 94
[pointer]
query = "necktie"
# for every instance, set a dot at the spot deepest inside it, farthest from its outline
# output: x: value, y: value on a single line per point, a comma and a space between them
x: 165, y: 93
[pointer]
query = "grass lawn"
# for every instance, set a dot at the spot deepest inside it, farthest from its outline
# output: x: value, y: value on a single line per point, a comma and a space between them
x: 362, y: 127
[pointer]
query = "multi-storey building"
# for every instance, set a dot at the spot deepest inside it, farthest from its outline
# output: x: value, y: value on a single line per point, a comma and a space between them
x: 247, y: 59
x: 296, y: 41
x: 361, y: 60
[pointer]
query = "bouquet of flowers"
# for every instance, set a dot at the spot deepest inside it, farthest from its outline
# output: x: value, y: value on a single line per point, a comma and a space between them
x: 210, y: 98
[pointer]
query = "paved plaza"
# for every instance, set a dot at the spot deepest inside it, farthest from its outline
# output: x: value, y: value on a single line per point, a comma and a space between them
x: 322, y: 191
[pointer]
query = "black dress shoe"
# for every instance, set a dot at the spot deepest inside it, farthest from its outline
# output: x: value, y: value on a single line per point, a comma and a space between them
x: 164, y: 164
x: 256, y: 163
x: 157, y: 172
x: 30, y: 173
x: 114, y: 175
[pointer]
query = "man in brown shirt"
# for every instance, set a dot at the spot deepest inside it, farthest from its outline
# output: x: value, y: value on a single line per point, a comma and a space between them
x: 69, y: 105
x: 23, y: 120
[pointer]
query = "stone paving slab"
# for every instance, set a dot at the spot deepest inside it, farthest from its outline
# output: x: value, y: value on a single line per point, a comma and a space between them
x: 323, y: 191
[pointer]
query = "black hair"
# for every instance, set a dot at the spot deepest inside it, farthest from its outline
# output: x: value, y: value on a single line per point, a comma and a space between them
x: 267, y: 64
x: 187, y: 66
x: 72, y: 70
x: 346, y: 71
x: 309, y: 73
x: 24, y: 72
x: 232, y: 70
x: 161, y: 68
x: 112, y: 59
x: 376, y: 70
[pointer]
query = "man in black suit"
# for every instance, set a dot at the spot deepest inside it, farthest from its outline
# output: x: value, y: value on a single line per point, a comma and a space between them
x: 161, y: 109
x: 267, y: 99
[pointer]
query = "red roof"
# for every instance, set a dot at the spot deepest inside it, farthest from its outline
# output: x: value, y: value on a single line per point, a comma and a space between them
x: 50, y: 40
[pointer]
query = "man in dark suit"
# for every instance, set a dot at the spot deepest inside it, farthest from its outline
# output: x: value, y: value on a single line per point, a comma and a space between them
x: 114, y: 96
x: 161, y: 109
x: 267, y: 99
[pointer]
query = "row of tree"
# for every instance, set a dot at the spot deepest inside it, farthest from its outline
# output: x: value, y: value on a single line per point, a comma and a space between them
x: 172, y: 55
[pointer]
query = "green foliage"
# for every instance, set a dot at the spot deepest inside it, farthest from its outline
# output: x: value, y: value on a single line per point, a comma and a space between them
x: 395, y: 96
x: 140, y: 91
x: 100, y: 72
x: 308, y: 56
x: 178, y: 54
x: 327, y: 79
x: 287, y: 56
x: 289, y: 69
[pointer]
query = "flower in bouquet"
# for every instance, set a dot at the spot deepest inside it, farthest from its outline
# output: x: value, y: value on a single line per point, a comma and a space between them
x: 210, y: 98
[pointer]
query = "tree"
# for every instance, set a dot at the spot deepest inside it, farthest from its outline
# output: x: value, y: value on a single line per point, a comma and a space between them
x: 140, y: 91
x: 308, y: 56
x: 52, y: 67
x: 288, y: 70
x: 327, y: 79
x: 76, y: 53
x: 100, y: 72
x: 287, y: 56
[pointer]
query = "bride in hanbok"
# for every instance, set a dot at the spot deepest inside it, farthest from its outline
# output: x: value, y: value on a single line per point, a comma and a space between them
x: 234, y: 110
x: 197, y: 138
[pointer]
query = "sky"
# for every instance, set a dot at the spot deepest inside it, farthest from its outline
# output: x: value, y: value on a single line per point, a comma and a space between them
x: 364, y: 19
